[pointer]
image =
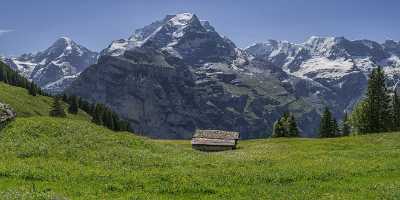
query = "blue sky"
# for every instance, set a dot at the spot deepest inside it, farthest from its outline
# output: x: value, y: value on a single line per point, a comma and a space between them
x: 30, y: 26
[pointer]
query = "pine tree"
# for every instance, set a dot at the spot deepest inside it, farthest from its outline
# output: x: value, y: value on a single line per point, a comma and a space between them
x: 396, y: 111
x: 57, y: 108
x: 335, y: 128
x: 110, y: 120
x: 32, y: 89
x: 286, y: 126
x: 97, y: 116
x: 5, y: 76
x: 325, y: 129
x: 278, y: 129
x: 293, y: 131
x: 378, y: 101
x: 359, y: 118
x: 73, y: 105
x: 2, y: 71
x: 65, y: 98
x: 346, y: 129
x: 374, y: 113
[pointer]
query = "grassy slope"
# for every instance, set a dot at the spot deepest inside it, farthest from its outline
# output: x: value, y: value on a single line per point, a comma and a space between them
x: 26, y: 105
x: 45, y: 157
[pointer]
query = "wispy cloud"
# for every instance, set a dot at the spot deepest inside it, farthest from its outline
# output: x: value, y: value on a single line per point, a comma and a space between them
x: 4, y: 31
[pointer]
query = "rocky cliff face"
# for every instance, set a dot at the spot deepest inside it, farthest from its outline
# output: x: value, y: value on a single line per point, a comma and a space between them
x: 178, y: 74
x: 56, y: 67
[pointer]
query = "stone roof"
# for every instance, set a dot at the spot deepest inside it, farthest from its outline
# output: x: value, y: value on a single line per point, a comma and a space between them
x: 216, y: 134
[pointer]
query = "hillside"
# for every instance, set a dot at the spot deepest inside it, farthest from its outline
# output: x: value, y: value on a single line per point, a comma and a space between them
x: 48, y: 158
x: 26, y: 105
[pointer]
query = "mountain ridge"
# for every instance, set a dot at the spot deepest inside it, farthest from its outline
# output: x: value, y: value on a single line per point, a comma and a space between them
x: 57, y: 66
x: 231, y: 88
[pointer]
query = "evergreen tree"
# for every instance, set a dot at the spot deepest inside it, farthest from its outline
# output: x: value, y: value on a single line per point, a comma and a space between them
x: 325, y: 129
x: 278, y: 129
x: 57, y: 108
x: 65, y: 98
x: 378, y: 101
x: 97, y: 116
x: 346, y: 129
x: 286, y: 126
x: 32, y: 89
x: 11, y: 77
x: 73, y: 105
x: 5, y: 76
x: 358, y: 119
x: 396, y: 111
x: 374, y: 113
x: 335, y: 128
x: 109, y: 119
x: 293, y: 131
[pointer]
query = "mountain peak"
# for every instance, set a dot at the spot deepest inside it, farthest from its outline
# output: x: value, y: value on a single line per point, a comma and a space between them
x: 64, y: 43
x: 321, y: 39
x: 65, y: 39
x: 181, y: 19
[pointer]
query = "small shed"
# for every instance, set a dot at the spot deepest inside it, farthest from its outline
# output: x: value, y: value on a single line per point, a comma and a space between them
x: 214, y: 140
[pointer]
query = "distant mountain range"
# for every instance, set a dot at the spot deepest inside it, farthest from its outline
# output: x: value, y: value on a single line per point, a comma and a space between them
x: 56, y: 67
x: 179, y: 74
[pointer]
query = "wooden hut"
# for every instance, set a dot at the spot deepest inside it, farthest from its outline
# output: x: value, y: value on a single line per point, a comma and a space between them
x: 214, y: 140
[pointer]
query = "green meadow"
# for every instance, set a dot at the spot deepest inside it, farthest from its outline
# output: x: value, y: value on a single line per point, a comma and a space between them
x: 71, y: 158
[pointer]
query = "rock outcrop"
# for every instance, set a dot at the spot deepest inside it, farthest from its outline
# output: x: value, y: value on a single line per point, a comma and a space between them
x: 6, y: 114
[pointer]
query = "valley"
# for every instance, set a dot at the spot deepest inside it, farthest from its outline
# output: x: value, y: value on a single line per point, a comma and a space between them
x: 179, y: 74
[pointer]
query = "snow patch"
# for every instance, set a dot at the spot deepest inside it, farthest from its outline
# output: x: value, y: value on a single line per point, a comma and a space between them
x: 321, y: 67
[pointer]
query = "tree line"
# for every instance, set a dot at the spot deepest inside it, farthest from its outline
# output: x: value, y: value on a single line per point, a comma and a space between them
x: 11, y: 77
x: 285, y: 126
x: 101, y: 114
x: 378, y: 111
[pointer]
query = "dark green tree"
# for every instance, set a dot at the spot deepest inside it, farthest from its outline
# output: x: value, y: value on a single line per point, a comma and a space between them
x: 378, y: 101
x: 325, y: 129
x: 73, y: 105
x: 65, y: 98
x: 5, y: 76
x: 396, y: 111
x: 57, y: 109
x: 374, y: 114
x: 335, y: 128
x: 346, y: 128
x: 278, y: 129
x: 293, y: 131
x: 97, y: 116
x: 286, y: 126
x: 32, y: 89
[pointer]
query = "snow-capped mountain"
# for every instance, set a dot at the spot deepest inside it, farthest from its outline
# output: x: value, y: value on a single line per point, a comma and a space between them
x: 182, y: 35
x: 328, y: 57
x: 179, y: 74
x: 336, y: 63
x: 56, y: 67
